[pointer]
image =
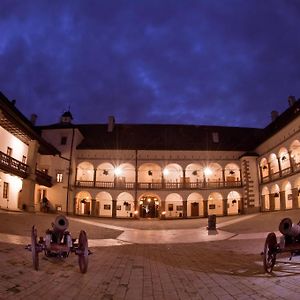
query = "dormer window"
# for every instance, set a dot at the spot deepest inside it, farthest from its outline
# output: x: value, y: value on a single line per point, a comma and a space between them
x: 215, y: 137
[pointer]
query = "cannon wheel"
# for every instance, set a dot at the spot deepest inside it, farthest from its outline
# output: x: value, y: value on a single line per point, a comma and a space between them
x: 34, y: 250
x: 270, y: 251
x: 83, y: 252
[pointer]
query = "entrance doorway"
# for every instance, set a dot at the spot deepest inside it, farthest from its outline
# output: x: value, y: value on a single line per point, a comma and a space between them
x: 149, y: 207
x: 194, y: 209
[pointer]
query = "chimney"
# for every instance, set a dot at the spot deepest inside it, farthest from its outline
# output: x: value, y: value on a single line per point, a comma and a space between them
x: 33, y: 118
x: 291, y: 100
x: 274, y: 115
x: 111, y: 124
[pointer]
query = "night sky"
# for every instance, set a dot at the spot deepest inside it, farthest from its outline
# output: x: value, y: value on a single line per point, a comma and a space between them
x: 209, y: 62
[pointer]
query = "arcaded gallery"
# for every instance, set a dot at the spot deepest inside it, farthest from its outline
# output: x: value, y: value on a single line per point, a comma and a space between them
x: 138, y: 171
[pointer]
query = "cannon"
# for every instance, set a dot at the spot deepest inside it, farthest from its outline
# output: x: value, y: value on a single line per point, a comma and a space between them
x: 289, y: 242
x: 59, y: 243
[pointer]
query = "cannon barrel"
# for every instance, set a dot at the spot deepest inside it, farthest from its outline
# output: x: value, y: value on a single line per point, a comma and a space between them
x: 60, y: 224
x: 286, y: 227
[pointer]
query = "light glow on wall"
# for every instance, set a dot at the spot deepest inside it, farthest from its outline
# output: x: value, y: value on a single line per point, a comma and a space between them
x: 207, y: 171
x: 166, y: 172
x: 118, y: 171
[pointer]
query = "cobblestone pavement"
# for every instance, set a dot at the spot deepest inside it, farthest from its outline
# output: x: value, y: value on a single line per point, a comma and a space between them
x: 229, y: 268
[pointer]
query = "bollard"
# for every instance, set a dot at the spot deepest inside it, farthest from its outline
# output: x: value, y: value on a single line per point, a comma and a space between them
x: 211, y: 222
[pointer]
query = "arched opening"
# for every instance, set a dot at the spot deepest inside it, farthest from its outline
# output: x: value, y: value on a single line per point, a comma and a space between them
x: 297, y: 186
x: 195, y: 205
x: 295, y: 152
x: 194, y: 176
x: 85, y: 174
x: 149, y: 206
x: 125, y: 205
x: 105, y: 175
x: 215, y: 204
x: 149, y: 175
x: 233, y: 203
x: 174, y: 206
x: 274, y: 168
x: 275, y: 191
x: 213, y: 175
x: 83, y: 203
x: 105, y: 204
x: 265, y: 199
x: 125, y: 175
x: 232, y: 174
x: 287, y: 188
x: 264, y: 167
x: 173, y: 176
x: 284, y: 160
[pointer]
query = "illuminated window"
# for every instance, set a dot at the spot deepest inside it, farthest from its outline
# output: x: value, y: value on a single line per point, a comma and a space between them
x: 24, y: 159
x: 5, y: 189
x: 9, y: 151
x: 63, y: 140
x: 59, y: 177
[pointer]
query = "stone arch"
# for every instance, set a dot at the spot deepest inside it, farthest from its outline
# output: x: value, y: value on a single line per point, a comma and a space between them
x: 232, y: 172
x: 213, y: 173
x: 125, y: 172
x: 233, y: 203
x: 276, y: 194
x: 264, y: 167
x: 105, y: 173
x: 85, y: 171
x: 284, y: 158
x: 149, y: 173
x: 105, y: 204
x: 194, y: 174
x: 149, y: 205
x: 273, y: 162
x: 295, y: 151
x: 173, y: 175
x: 125, y: 205
x: 215, y: 204
x: 83, y: 203
x: 174, y: 206
x: 195, y: 205
x: 287, y: 188
x: 297, y: 186
x: 265, y: 198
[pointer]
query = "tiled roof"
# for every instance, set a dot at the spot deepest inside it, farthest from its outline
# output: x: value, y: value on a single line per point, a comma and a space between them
x: 169, y: 137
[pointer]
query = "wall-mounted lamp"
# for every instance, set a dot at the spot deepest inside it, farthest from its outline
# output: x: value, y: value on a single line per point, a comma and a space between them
x: 105, y: 172
x: 233, y: 201
x: 231, y: 172
x: 265, y: 167
x: 125, y: 203
x: 195, y: 173
x: 276, y: 195
x: 283, y: 158
x: 150, y: 173
x: 83, y: 201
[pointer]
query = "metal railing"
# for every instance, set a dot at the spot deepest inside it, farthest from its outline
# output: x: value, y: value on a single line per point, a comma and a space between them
x: 43, y: 178
x: 11, y: 165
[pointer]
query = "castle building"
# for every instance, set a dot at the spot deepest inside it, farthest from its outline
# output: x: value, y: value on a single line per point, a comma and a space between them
x: 149, y: 171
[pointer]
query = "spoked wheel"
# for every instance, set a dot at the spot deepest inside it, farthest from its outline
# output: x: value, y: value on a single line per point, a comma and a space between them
x: 270, y: 252
x: 83, y: 252
x: 34, y: 249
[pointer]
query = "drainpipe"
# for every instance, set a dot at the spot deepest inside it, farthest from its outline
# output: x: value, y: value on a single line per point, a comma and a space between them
x: 69, y: 173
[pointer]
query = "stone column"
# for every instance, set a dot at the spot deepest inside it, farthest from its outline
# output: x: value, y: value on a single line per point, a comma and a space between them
x: 282, y: 200
x: 183, y: 179
x: 225, y: 208
x: 93, y: 209
x: 205, y: 208
x: 114, y: 208
x: 184, y: 202
x: 263, y: 203
x: 272, y: 202
x: 291, y: 160
x: 95, y: 176
x: 29, y: 182
x: 163, y: 209
x: 279, y: 166
x: 295, y: 198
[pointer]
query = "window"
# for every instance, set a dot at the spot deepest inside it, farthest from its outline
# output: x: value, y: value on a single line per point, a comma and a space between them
x: 24, y: 159
x: 59, y: 177
x: 9, y: 151
x: 106, y: 206
x: 5, y: 189
x: 63, y: 140
x: 170, y: 207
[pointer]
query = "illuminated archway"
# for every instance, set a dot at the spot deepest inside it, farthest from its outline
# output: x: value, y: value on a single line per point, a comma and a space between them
x: 125, y: 205
x: 83, y: 203
x: 85, y: 171
x: 194, y: 175
x: 233, y: 203
x: 105, y: 204
x: 265, y: 195
x: 194, y: 205
x: 149, y: 206
x: 275, y: 191
x: 149, y: 175
x: 287, y: 188
x: 215, y: 204
x: 174, y: 206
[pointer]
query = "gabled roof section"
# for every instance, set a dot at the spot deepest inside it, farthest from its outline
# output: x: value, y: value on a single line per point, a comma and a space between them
x: 282, y: 120
x: 169, y: 137
x: 15, y: 122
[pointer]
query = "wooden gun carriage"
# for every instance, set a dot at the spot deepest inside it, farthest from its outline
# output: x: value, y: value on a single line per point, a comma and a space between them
x: 59, y: 243
x: 289, y: 243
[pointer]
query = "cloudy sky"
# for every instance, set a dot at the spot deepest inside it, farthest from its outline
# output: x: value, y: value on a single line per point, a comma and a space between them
x: 203, y: 62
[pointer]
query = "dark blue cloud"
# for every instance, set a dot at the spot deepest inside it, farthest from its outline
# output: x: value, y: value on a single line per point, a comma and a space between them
x: 190, y: 62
